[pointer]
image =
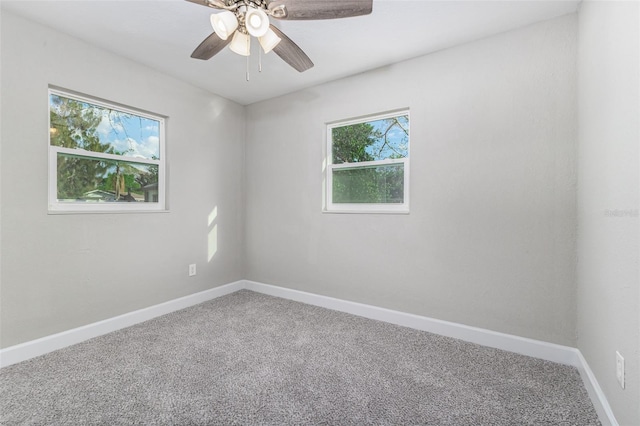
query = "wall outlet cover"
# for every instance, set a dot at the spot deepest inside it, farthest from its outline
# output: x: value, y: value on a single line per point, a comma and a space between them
x: 192, y: 269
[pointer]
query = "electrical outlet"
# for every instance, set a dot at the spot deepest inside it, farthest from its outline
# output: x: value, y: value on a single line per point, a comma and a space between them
x: 620, y: 369
x: 192, y: 269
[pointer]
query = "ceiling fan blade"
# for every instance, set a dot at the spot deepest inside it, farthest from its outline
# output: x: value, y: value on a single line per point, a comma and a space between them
x: 326, y: 9
x: 209, y: 47
x: 216, y: 4
x: 290, y: 52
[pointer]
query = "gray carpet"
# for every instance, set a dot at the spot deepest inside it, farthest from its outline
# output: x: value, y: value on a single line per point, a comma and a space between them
x: 247, y: 358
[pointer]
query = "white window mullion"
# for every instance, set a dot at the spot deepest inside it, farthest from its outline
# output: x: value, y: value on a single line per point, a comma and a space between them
x: 102, y: 156
x: 363, y: 164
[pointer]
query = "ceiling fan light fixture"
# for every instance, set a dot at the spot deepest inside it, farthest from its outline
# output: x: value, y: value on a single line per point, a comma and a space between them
x: 224, y: 23
x: 240, y: 44
x: 256, y: 21
x: 251, y: 19
x: 269, y: 40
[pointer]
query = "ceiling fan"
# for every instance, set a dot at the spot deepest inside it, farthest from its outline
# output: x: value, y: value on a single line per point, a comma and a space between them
x: 241, y: 19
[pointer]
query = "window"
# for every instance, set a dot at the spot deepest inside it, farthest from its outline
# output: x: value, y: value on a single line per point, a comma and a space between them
x: 368, y: 164
x: 103, y: 157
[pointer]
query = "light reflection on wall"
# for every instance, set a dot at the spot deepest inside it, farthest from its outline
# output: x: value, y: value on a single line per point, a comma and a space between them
x: 213, y: 234
x: 217, y: 107
x: 324, y: 183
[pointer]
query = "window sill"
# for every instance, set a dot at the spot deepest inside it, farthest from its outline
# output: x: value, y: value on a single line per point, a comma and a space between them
x: 400, y: 212
x: 73, y: 212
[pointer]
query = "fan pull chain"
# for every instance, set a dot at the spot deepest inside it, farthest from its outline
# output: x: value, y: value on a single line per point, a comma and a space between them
x: 259, y: 59
x: 247, y: 68
x: 249, y: 51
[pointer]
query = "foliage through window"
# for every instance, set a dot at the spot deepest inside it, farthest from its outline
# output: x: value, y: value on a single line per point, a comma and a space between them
x: 103, y: 157
x: 368, y: 168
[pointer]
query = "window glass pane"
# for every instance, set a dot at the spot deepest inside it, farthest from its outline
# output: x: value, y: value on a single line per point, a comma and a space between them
x: 93, y: 180
x: 371, y: 141
x: 81, y: 125
x: 378, y: 184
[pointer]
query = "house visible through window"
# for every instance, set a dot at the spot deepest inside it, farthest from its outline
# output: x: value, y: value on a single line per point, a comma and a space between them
x: 103, y: 157
x: 368, y: 168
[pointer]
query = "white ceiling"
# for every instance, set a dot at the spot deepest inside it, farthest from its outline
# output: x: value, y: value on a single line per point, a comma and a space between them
x: 163, y: 33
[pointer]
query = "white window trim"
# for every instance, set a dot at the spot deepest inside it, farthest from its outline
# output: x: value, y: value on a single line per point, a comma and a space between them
x: 74, y: 207
x: 330, y: 206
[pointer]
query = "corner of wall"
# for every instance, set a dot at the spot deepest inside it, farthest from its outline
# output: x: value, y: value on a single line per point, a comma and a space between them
x: 243, y: 197
x: 608, y: 282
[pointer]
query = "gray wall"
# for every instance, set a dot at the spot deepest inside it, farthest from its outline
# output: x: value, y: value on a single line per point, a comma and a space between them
x: 64, y: 271
x: 608, y: 190
x: 490, y: 240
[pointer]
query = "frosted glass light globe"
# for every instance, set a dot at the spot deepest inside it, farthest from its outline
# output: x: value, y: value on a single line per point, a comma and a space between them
x: 257, y: 22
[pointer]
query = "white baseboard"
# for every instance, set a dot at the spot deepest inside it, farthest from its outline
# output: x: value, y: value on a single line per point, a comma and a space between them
x: 600, y: 403
x: 530, y: 347
x: 535, y: 348
x: 34, y: 348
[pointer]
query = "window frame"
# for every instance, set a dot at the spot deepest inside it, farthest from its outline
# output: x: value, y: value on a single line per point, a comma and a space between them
x: 387, y: 208
x: 55, y: 206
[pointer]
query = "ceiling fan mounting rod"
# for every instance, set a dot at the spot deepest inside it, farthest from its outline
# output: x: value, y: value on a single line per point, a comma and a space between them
x: 235, y: 4
x: 258, y: 4
x: 278, y: 12
x: 219, y: 4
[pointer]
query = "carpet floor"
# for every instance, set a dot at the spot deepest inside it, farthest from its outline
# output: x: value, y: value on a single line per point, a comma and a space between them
x: 247, y: 358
